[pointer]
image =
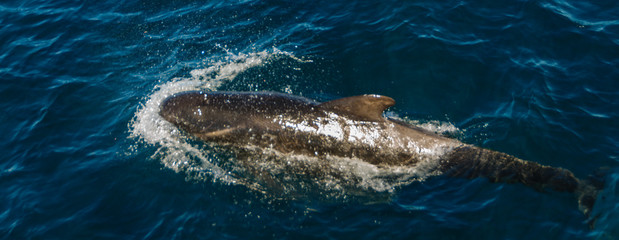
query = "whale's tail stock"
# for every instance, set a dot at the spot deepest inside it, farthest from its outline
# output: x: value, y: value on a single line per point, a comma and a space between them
x: 471, y: 162
x: 587, y: 193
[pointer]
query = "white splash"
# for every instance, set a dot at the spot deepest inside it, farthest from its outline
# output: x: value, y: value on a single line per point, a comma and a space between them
x: 174, y: 150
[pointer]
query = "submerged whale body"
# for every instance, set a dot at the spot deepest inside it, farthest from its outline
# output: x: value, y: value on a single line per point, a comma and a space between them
x: 352, y: 127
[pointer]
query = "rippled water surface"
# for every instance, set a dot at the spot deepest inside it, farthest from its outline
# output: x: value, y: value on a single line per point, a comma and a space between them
x: 85, y: 154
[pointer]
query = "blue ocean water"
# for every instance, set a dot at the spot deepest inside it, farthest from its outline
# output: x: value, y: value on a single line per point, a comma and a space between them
x: 85, y: 156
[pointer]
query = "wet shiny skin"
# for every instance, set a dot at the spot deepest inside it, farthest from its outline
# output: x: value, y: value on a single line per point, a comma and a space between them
x: 292, y: 124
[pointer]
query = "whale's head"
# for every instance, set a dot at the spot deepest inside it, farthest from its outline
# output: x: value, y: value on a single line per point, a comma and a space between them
x: 200, y: 112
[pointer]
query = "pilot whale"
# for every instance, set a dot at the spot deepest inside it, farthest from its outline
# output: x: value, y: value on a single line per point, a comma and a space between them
x: 353, y: 127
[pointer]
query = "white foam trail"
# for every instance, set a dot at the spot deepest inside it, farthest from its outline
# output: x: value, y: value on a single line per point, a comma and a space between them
x: 443, y: 128
x: 438, y: 127
x: 176, y: 153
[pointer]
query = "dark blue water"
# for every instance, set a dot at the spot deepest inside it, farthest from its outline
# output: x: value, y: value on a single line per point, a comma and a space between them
x: 84, y: 155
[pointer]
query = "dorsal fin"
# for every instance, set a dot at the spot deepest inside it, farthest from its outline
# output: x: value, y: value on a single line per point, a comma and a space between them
x: 367, y: 107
